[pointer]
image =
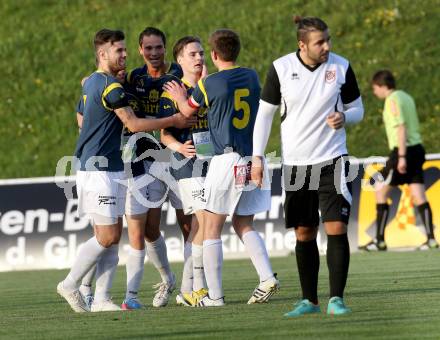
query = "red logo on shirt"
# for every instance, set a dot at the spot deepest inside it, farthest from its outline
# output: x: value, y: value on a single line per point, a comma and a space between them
x: 330, y: 76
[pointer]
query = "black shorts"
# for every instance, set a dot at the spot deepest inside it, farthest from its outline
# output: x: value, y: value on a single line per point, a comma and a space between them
x: 415, y: 157
x: 313, y: 188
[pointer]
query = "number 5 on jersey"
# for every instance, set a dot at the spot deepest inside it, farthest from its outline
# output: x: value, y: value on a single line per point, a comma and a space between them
x: 241, y: 104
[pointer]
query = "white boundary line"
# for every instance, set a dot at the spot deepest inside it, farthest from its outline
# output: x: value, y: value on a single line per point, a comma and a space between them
x: 55, y: 179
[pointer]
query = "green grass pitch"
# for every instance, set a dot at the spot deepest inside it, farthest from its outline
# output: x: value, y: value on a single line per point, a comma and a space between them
x: 46, y: 49
x: 393, y: 296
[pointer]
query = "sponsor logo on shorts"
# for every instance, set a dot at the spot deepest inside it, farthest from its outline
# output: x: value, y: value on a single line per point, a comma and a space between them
x: 344, y: 211
x: 199, y: 195
x: 106, y: 200
x: 242, y: 174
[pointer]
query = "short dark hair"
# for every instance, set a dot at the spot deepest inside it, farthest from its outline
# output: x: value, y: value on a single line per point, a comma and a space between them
x: 152, y: 31
x: 226, y: 43
x: 384, y: 78
x: 105, y: 35
x: 306, y: 25
x: 182, y: 42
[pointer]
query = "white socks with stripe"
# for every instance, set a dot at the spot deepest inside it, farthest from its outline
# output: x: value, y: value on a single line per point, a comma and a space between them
x: 187, y: 275
x: 257, y: 251
x: 87, y: 282
x: 87, y: 257
x: 213, y: 263
x: 157, y: 255
x: 105, y: 272
x: 135, y: 271
x: 198, y: 270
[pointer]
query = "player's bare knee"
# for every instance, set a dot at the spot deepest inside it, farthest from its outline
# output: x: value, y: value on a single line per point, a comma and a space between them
x: 418, y: 195
x: 305, y: 234
x: 213, y: 233
x: 137, y: 240
x: 335, y: 228
x: 152, y: 234
x: 108, y: 239
x: 240, y: 230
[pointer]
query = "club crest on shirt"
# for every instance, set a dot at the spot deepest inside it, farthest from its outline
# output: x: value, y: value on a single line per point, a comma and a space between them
x: 154, y: 96
x: 330, y: 76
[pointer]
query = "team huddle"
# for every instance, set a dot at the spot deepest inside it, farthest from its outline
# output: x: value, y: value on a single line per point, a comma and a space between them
x: 171, y: 130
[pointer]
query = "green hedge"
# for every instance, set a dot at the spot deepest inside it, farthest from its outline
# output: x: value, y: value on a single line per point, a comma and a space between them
x: 46, y: 48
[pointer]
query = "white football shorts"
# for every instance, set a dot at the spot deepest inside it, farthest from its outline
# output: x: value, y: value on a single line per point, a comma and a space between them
x: 192, y: 193
x: 228, y: 189
x: 165, y: 186
x: 101, y: 195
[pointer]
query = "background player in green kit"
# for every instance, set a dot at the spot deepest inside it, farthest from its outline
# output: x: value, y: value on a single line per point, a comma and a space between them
x: 232, y: 96
x: 189, y: 164
x: 406, y: 158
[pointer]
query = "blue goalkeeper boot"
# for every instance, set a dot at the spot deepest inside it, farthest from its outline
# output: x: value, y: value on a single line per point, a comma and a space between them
x: 336, y: 306
x: 303, y: 307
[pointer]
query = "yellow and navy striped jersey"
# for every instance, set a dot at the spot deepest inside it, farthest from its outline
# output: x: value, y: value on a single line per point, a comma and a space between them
x: 232, y: 98
x: 101, y: 131
x: 148, y: 91
x: 167, y: 108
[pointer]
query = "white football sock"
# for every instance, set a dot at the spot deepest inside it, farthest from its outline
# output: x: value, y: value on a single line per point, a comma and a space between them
x: 256, y: 249
x: 213, y: 263
x: 187, y: 275
x: 198, y: 270
x: 88, y: 255
x: 87, y: 282
x: 157, y: 255
x: 135, y: 271
x: 105, y: 272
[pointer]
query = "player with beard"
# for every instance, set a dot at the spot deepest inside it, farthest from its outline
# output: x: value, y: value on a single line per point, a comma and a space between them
x: 100, y: 170
x: 318, y: 95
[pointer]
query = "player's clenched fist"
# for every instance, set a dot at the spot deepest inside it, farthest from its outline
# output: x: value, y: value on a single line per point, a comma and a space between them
x: 336, y: 120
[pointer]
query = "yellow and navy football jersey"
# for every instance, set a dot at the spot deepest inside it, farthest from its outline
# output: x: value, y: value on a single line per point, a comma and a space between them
x: 148, y: 91
x: 168, y: 107
x: 101, y: 131
x: 232, y: 98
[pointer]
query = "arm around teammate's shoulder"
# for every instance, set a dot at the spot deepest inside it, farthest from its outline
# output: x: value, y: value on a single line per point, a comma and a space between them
x: 135, y: 124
